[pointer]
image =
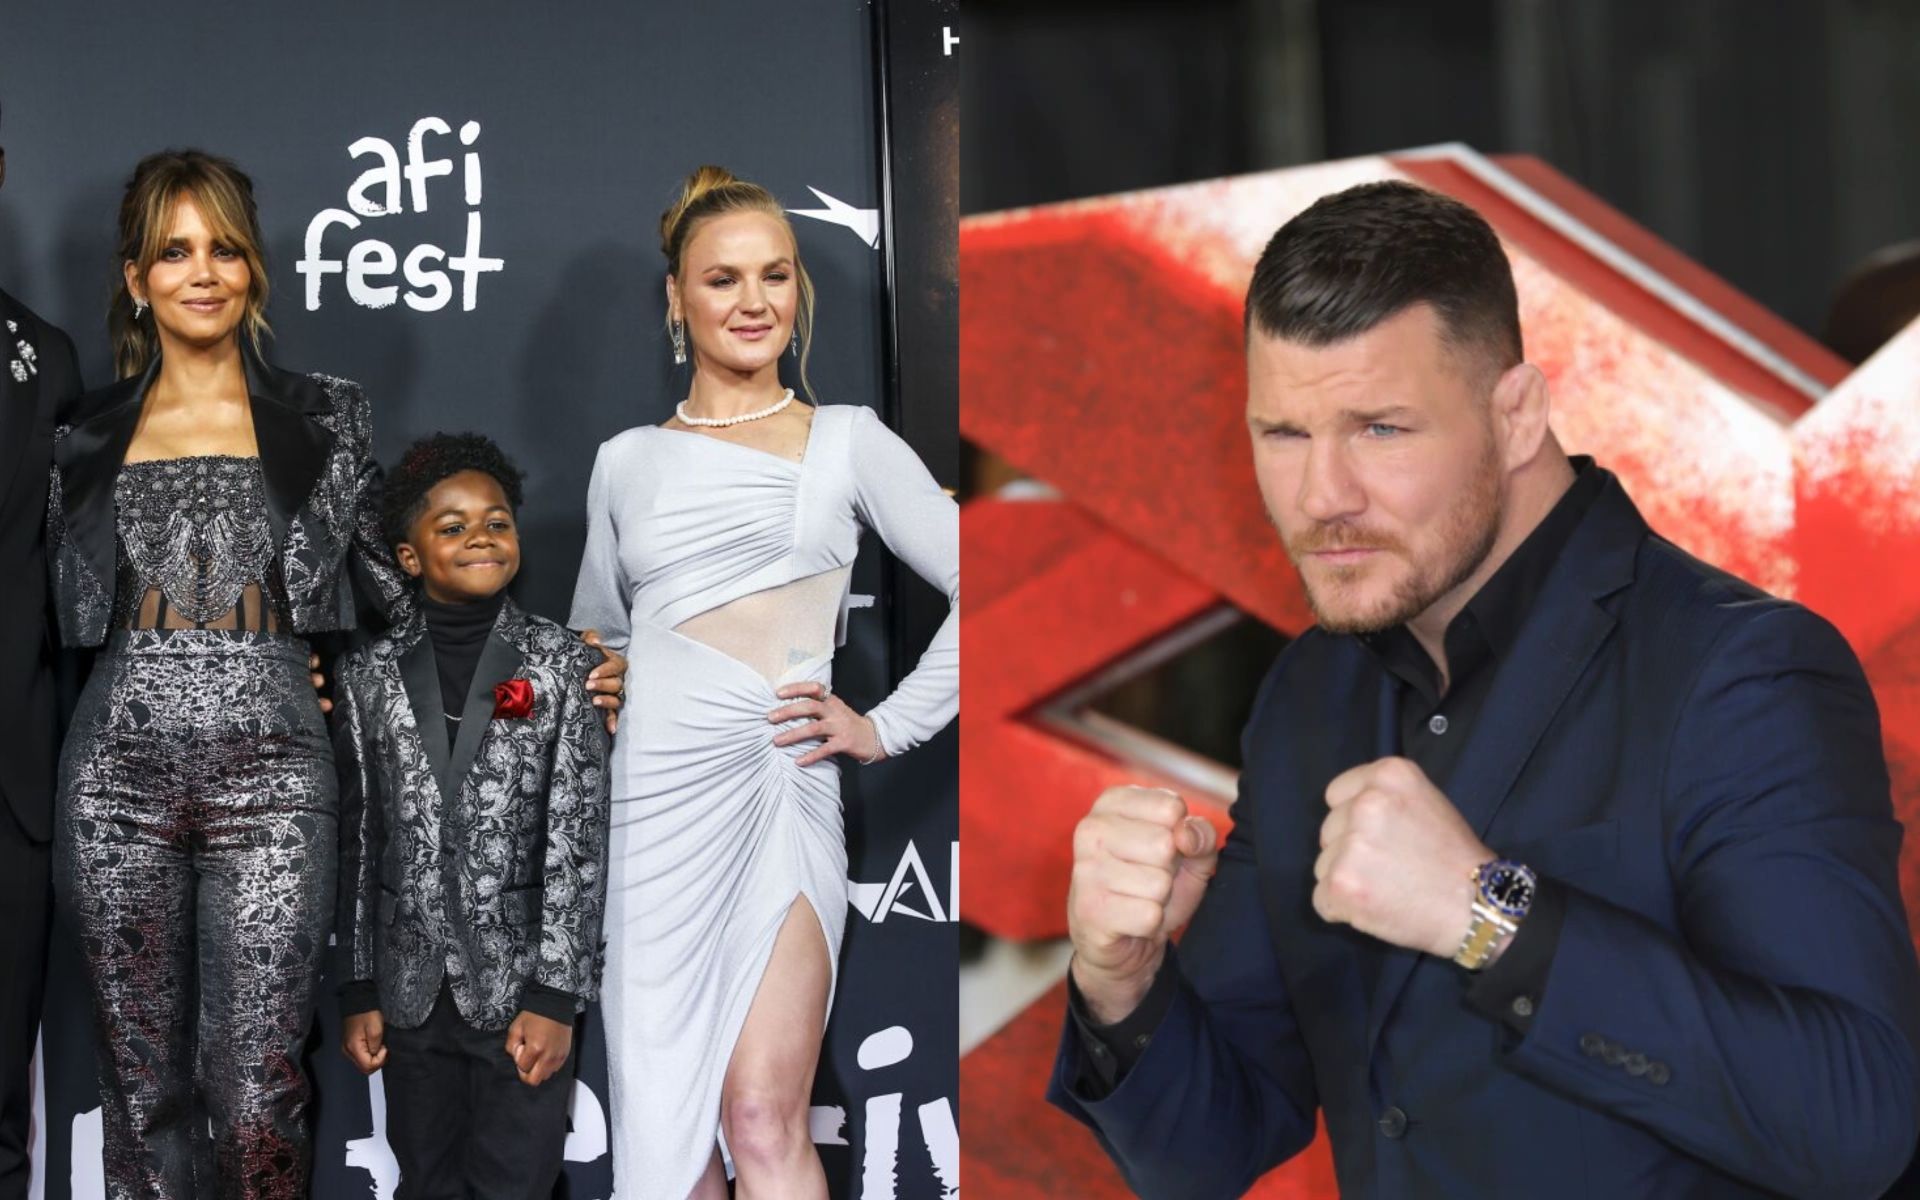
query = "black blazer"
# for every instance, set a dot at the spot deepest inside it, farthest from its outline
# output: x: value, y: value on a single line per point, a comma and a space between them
x: 1732, y: 1006
x: 316, y: 453
x: 39, y: 375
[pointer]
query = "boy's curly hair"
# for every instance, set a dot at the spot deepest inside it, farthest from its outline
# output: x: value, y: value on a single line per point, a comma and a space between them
x: 427, y: 462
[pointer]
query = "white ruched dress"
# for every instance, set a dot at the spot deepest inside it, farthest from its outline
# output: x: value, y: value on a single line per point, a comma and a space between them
x: 722, y: 572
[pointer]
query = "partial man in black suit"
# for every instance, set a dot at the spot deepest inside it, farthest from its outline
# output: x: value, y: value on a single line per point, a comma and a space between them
x: 39, y: 375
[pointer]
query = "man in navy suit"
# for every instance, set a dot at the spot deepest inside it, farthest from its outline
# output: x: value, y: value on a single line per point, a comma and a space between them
x: 1563, y: 863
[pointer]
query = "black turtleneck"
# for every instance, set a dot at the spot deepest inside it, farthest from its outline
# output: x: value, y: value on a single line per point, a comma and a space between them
x: 459, y: 631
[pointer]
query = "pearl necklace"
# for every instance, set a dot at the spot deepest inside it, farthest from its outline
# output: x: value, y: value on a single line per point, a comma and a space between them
x: 680, y: 410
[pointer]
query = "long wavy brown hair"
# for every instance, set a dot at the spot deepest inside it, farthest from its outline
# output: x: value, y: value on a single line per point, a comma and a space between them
x: 224, y: 195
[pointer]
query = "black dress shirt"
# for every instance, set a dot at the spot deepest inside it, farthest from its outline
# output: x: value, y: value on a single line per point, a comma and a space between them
x: 1434, y: 724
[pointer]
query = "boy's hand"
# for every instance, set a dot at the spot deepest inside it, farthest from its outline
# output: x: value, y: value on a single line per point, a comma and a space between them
x: 538, y: 1046
x: 608, y: 681
x: 364, y: 1041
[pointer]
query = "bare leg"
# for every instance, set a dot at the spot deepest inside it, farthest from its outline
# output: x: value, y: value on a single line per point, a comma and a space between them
x: 713, y: 1180
x: 769, y: 1084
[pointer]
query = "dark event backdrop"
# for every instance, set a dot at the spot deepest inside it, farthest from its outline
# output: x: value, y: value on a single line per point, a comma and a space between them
x: 530, y: 153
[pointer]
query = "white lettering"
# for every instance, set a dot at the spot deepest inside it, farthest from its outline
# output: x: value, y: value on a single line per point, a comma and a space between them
x: 469, y: 134
x: 470, y: 264
x: 435, y: 285
x: 877, y: 1177
x: 386, y: 175
x: 421, y: 168
x: 827, y: 1125
x: 943, y: 1144
x: 378, y: 273
x: 587, y: 1137
x: 311, y: 264
x: 371, y: 259
x: 891, y: 1045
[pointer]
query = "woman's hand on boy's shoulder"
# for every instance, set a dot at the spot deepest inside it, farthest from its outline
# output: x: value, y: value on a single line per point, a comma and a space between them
x: 608, y: 681
x: 319, y: 682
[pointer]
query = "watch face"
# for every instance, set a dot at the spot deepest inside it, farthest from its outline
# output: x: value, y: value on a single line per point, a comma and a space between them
x: 1507, y: 886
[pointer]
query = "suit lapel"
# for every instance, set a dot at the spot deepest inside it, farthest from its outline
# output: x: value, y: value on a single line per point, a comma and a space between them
x: 499, y: 659
x: 293, y: 445
x: 421, y: 674
x: 89, y: 458
x: 1565, y: 629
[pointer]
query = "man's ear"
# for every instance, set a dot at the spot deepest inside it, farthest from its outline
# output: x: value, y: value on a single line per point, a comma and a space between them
x: 1520, y: 408
x: 409, y: 559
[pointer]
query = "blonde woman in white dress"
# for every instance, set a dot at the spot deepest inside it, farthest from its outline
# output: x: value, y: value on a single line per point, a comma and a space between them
x: 718, y: 554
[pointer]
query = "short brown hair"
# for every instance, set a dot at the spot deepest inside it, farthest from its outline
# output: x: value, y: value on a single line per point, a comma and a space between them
x: 224, y: 196
x: 1358, y: 257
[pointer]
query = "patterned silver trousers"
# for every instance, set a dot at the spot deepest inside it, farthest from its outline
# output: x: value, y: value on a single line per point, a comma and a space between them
x: 194, y: 856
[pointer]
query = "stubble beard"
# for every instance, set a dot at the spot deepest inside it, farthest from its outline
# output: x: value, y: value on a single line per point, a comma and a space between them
x: 1467, y: 536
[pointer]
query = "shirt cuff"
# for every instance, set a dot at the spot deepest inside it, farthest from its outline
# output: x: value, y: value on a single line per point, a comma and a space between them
x: 551, y: 1003
x: 358, y: 996
x: 1509, y: 991
x: 1110, y: 1051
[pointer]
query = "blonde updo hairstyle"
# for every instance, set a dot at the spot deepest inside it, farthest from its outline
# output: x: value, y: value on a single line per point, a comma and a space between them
x: 715, y: 192
x: 224, y: 195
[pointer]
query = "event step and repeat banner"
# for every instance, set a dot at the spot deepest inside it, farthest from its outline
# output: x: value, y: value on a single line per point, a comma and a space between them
x: 461, y: 203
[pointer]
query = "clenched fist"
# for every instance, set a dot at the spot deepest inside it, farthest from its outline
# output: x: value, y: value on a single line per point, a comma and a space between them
x: 1396, y: 858
x: 1140, y: 865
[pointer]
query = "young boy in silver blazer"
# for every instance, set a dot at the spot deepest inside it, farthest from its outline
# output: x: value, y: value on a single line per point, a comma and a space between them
x: 473, y: 827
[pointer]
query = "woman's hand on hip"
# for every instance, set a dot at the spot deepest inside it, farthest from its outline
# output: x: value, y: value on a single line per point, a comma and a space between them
x: 837, y: 728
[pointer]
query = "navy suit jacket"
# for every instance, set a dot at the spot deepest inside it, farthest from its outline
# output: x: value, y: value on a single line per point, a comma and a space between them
x: 1698, y: 766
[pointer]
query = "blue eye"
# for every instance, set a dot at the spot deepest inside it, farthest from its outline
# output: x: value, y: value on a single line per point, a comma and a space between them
x: 1381, y: 430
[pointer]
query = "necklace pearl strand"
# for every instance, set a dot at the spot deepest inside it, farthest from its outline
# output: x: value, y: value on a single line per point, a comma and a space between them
x: 680, y: 410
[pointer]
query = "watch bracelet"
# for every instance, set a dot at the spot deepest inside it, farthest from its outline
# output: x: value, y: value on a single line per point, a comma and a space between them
x: 1482, y: 935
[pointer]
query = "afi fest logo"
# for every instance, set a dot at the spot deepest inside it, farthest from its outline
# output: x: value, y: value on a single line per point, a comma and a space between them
x: 909, y: 893
x: 373, y: 272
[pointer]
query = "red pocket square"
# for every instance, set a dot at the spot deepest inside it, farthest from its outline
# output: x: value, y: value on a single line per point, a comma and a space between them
x: 514, y: 698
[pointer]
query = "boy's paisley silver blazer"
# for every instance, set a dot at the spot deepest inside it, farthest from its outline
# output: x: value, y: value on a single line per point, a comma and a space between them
x: 316, y: 455
x: 484, y: 862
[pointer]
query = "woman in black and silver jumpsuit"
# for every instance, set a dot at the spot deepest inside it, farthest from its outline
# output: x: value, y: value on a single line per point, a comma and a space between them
x: 203, y: 515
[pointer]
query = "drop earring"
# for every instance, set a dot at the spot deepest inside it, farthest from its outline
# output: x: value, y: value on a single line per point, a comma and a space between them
x: 677, y: 331
x: 139, y: 309
x: 796, y: 341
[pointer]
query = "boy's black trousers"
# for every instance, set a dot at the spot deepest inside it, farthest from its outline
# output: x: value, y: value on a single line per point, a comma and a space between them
x: 460, y: 1122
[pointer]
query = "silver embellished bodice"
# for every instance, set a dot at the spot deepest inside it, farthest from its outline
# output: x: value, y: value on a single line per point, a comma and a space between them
x: 194, y: 541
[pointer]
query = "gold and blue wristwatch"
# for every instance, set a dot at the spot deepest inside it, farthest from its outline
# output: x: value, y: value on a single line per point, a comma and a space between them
x: 1503, y: 892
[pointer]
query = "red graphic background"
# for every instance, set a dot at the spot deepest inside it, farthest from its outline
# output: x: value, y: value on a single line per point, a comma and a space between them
x: 1101, y: 354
